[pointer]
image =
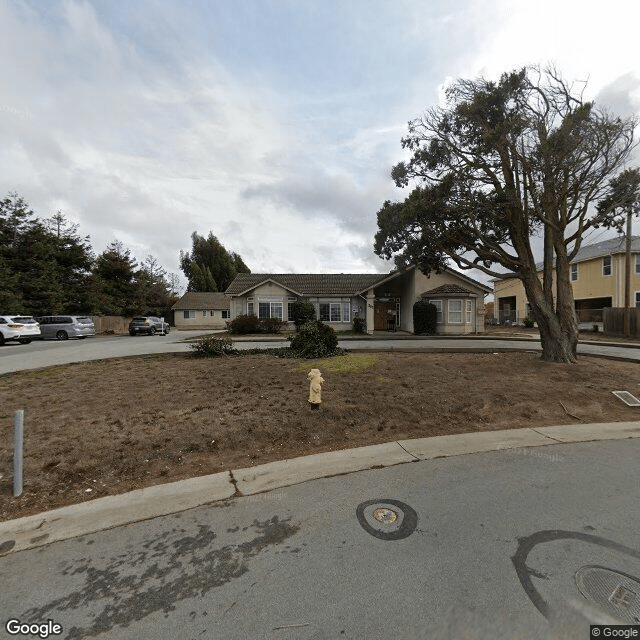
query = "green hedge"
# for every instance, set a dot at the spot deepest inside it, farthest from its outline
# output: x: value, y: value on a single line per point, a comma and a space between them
x: 425, y: 318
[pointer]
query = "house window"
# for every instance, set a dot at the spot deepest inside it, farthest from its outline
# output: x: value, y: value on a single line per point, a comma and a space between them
x: 250, y: 310
x: 290, y: 302
x: 226, y: 314
x: 638, y: 263
x: 638, y: 299
x: 189, y: 315
x: 467, y: 311
x: 438, y: 305
x: 335, y: 311
x: 269, y: 309
x: 204, y: 313
x: 574, y: 272
x: 606, y: 266
x: 455, y: 312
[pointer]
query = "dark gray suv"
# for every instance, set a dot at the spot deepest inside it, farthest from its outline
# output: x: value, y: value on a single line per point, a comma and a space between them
x: 149, y: 325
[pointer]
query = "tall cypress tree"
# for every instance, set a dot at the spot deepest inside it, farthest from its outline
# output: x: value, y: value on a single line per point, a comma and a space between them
x: 209, y: 266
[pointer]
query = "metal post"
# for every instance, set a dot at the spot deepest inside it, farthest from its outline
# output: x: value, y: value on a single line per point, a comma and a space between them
x: 627, y: 279
x: 18, y: 440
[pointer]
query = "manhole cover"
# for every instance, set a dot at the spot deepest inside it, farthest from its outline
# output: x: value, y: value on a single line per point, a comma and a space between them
x: 617, y: 593
x: 387, y: 519
x: 385, y: 515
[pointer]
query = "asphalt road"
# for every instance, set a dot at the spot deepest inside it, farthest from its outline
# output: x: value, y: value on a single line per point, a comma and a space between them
x: 489, y: 545
x: 38, y: 354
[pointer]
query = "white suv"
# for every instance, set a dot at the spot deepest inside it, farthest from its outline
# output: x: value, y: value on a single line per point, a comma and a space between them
x: 20, y: 328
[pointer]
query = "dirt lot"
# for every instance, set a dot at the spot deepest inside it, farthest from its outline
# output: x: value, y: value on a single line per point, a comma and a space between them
x: 100, y: 428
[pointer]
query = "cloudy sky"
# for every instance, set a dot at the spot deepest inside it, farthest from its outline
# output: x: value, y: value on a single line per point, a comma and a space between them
x: 272, y: 123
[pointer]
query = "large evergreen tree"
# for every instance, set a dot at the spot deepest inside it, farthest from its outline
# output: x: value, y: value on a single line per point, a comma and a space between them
x: 15, y: 219
x: 44, y: 265
x: 73, y: 263
x: 502, y: 163
x: 114, y: 272
x: 209, y: 266
x: 154, y: 295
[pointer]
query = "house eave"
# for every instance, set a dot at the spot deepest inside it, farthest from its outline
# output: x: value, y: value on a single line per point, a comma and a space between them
x: 263, y: 282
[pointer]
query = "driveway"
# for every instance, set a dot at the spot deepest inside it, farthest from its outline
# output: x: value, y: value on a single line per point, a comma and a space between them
x: 46, y: 353
x: 38, y: 354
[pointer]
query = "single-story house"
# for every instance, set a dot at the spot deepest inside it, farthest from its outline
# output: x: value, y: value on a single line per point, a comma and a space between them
x: 385, y: 301
x: 201, y: 310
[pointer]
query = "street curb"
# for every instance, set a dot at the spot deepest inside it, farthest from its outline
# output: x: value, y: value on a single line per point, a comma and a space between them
x: 113, y: 511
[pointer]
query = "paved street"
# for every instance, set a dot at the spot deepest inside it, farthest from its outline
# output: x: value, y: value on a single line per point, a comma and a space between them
x: 16, y: 357
x: 486, y: 546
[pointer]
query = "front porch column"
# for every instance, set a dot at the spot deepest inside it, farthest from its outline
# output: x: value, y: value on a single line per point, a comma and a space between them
x: 370, y: 315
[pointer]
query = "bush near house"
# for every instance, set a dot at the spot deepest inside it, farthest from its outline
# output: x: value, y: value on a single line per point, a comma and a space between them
x: 425, y: 318
x: 302, y: 311
x: 245, y: 324
x: 359, y: 325
x: 211, y: 347
x: 271, y: 325
x: 315, y: 340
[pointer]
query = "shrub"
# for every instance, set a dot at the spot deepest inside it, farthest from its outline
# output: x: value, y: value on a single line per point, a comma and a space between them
x: 212, y: 347
x: 271, y: 325
x: 425, y: 317
x: 528, y: 323
x: 596, y: 328
x: 244, y: 324
x: 302, y: 311
x: 315, y: 340
x: 359, y: 325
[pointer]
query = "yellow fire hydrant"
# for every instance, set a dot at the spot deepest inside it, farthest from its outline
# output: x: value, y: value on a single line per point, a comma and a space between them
x: 315, y: 388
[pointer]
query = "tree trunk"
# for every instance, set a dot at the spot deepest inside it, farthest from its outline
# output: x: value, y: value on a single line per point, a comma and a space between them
x: 565, y: 305
x: 558, y: 331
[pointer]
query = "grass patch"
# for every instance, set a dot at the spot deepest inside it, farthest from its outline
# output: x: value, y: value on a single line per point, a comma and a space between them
x: 350, y: 363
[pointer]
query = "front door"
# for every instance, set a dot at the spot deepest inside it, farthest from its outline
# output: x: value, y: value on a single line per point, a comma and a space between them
x: 382, y: 313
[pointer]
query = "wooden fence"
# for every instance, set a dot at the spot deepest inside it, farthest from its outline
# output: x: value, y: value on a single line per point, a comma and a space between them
x: 613, y: 320
x: 111, y: 324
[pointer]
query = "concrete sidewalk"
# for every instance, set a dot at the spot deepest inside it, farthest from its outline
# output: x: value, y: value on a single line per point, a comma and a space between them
x: 113, y: 511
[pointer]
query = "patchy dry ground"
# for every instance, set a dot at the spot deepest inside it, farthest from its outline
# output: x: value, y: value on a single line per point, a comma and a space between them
x: 100, y: 428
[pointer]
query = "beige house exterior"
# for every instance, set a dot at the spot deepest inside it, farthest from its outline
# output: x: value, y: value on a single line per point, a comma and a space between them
x: 597, y: 279
x: 201, y: 310
x: 385, y: 301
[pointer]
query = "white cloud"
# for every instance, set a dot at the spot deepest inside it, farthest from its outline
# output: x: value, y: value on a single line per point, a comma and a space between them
x: 145, y: 125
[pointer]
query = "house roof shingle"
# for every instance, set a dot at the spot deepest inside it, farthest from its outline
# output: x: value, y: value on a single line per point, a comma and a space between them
x: 324, y: 284
x: 308, y: 284
x: 605, y: 248
x: 198, y: 300
x: 591, y: 251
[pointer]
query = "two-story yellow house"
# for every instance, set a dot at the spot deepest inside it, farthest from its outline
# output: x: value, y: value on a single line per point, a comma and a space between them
x: 597, y: 278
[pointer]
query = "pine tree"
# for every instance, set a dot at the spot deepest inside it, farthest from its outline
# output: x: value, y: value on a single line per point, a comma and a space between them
x: 115, y: 273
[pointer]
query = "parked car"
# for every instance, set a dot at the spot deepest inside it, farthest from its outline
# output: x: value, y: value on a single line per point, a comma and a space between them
x: 19, y: 328
x: 64, y: 327
x: 149, y: 325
